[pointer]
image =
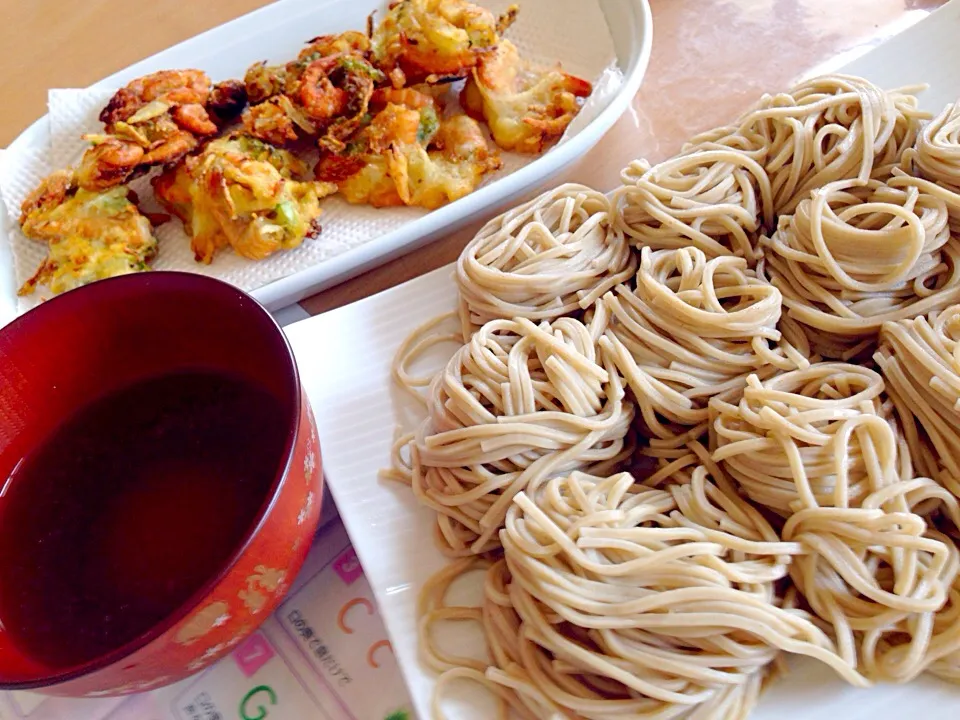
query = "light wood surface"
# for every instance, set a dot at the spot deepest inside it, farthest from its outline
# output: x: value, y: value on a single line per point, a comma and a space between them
x: 710, y: 61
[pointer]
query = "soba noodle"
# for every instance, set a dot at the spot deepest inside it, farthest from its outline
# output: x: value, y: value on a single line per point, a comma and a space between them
x: 518, y: 403
x: 935, y: 155
x: 778, y: 503
x: 933, y: 163
x: 881, y: 575
x: 920, y: 361
x: 618, y: 600
x: 714, y: 200
x: 692, y: 329
x: 814, y: 446
x: 855, y: 255
x: 829, y: 128
x: 550, y: 257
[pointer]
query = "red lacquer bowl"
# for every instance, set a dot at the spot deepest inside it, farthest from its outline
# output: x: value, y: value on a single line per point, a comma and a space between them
x: 100, y: 338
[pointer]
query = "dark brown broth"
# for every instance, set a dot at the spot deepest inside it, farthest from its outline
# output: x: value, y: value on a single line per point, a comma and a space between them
x: 128, y: 508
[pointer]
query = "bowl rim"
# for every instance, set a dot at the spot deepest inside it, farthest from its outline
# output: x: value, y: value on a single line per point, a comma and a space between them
x: 246, y: 304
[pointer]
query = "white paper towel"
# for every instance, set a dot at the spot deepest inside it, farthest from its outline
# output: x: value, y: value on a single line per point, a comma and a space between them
x: 574, y: 32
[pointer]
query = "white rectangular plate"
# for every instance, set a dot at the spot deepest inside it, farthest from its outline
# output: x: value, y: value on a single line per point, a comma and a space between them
x: 276, y: 32
x: 345, y: 356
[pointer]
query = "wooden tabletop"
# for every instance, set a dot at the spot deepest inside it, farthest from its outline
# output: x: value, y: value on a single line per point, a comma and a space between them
x: 710, y: 60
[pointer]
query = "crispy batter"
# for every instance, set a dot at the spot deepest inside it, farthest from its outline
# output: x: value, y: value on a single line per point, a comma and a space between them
x: 227, y: 100
x: 400, y: 125
x: 270, y: 122
x: 407, y: 157
x: 91, y: 235
x: 156, y: 120
x: 412, y: 97
x: 243, y: 193
x: 525, y: 108
x: 350, y: 42
x: 434, y: 40
x: 52, y: 191
x: 263, y: 81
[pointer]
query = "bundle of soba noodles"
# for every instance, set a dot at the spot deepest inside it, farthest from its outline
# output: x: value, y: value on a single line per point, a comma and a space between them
x: 933, y: 163
x: 828, y: 128
x: 693, y: 328
x: 716, y: 200
x: 550, y: 257
x: 807, y: 438
x: 920, y: 361
x: 518, y: 403
x: 857, y: 254
x: 816, y: 447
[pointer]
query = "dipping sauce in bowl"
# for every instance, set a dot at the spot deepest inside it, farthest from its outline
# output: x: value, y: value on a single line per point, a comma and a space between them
x: 148, y: 526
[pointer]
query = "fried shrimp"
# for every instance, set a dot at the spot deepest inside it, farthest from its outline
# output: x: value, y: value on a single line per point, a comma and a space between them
x: 243, y: 193
x: 402, y: 117
x: 194, y: 119
x: 525, y: 108
x: 407, y: 156
x: 264, y: 81
x: 156, y: 120
x: 91, y: 235
x: 433, y: 40
x: 173, y: 87
x: 320, y: 98
x: 335, y: 91
x: 109, y: 162
x: 324, y: 93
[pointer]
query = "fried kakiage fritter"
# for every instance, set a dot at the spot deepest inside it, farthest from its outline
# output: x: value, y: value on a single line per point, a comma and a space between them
x: 243, y: 193
x: 436, y: 40
x: 379, y: 106
x: 91, y: 234
x: 407, y: 155
x: 324, y: 93
x: 156, y: 120
x: 525, y: 108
